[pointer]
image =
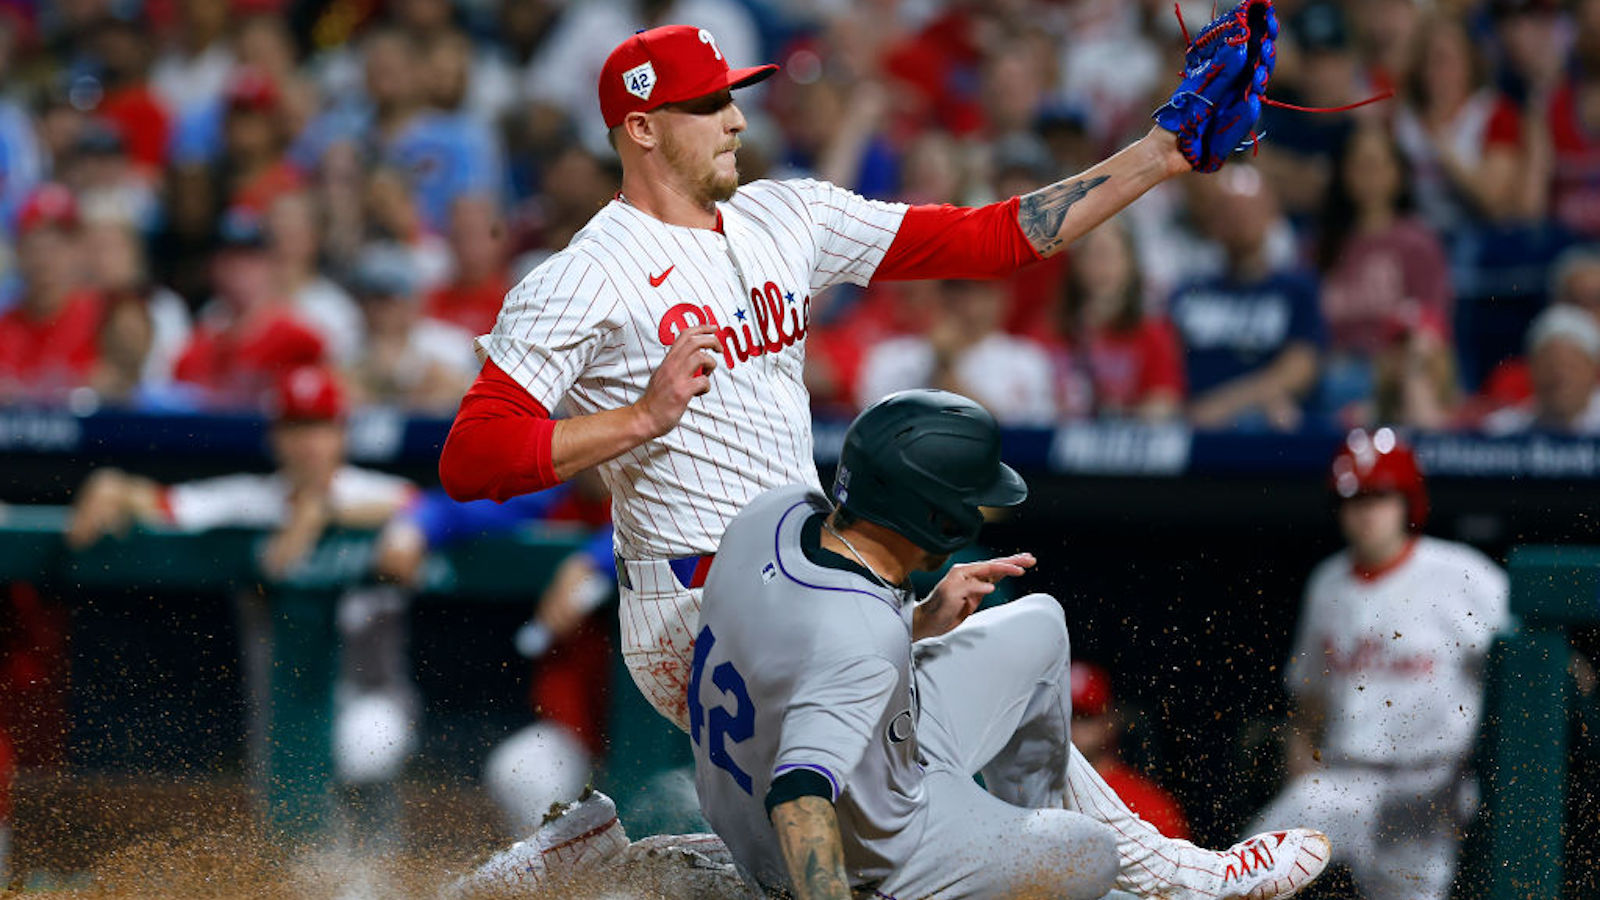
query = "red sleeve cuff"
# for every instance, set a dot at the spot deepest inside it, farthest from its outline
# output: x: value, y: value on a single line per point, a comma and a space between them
x: 956, y: 242
x: 501, y: 443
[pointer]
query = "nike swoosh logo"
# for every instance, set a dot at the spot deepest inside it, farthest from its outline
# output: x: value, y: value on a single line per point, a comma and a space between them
x: 655, y: 280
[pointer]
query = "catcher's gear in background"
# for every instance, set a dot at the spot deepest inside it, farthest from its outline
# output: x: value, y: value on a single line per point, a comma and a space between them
x: 922, y: 462
x: 1376, y: 462
x: 1226, y: 70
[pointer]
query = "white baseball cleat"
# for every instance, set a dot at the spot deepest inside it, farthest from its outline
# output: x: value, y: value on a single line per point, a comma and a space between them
x: 574, y: 838
x: 1273, y: 864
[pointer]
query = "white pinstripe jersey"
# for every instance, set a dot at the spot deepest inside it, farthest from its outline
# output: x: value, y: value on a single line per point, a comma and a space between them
x: 593, y: 322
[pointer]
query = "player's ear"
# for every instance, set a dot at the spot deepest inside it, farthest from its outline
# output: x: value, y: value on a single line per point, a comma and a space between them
x: 641, y: 128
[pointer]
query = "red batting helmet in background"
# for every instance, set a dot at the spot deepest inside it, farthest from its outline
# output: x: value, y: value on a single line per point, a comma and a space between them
x: 1377, y: 462
x: 1091, y: 689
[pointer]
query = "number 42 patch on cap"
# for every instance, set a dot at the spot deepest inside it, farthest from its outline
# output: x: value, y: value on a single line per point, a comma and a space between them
x: 640, y: 80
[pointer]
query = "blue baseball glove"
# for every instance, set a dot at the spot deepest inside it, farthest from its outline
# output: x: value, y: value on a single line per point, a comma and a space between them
x: 1226, y: 71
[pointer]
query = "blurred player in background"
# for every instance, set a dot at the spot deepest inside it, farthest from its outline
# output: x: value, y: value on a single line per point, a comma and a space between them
x: 1386, y: 678
x: 552, y: 758
x: 1097, y: 726
x: 312, y: 489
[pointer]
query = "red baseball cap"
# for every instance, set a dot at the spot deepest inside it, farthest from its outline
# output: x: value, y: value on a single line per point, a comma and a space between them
x: 308, y: 394
x: 669, y: 64
x: 251, y: 90
x: 1091, y: 689
x: 50, y: 205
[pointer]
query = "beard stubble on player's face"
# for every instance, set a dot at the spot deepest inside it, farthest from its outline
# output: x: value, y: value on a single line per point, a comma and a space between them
x: 699, y: 148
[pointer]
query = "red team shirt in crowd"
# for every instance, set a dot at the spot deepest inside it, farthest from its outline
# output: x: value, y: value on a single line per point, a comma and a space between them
x: 469, y: 306
x: 1399, y: 275
x: 1575, y: 190
x: 1119, y: 370
x: 222, y: 360
x: 58, y: 351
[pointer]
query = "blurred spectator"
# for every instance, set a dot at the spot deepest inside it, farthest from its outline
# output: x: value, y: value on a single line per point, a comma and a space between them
x: 1097, y: 728
x: 575, y: 184
x: 1561, y: 122
x: 478, y: 241
x: 294, y: 232
x: 105, y: 180
x: 1386, y: 31
x: 123, y: 51
x: 240, y: 163
x: 1110, y: 69
x: 1415, y: 384
x: 1298, y: 151
x: 1252, y: 335
x: 116, y: 264
x: 1113, y: 360
x: 846, y: 326
x: 48, y: 340
x: 1533, y: 44
x: 408, y: 360
x: 255, y: 139
x: 567, y: 67
x: 963, y: 350
x: 22, y: 162
x: 312, y: 489
x: 444, y: 155
x: 1564, y: 369
x: 934, y: 170
x: 1459, y: 135
x: 480, y: 86
x: 1574, y: 280
x: 248, y: 335
x: 835, y: 133
x: 1380, y: 265
x: 265, y: 79
x: 1015, y: 83
x: 195, y: 67
x: 391, y: 217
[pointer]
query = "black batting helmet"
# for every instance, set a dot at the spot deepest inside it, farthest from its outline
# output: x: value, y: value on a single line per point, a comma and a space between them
x: 922, y: 463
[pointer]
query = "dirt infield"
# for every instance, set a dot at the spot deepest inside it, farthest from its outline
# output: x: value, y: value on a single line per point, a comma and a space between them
x: 99, y: 838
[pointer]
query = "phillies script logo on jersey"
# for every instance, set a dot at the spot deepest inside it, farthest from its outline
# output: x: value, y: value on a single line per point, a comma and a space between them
x: 1372, y: 654
x: 772, y: 333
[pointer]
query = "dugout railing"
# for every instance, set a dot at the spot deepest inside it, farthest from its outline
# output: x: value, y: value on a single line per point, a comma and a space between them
x: 1527, y: 746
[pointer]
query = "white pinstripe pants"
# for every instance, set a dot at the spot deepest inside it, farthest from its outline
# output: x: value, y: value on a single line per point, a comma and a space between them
x: 658, y: 625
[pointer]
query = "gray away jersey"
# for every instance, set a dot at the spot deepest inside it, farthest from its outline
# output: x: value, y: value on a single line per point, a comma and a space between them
x: 798, y: 665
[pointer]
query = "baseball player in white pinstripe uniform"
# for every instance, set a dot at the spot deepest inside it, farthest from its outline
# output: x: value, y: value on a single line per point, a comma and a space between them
x: 673, y: 329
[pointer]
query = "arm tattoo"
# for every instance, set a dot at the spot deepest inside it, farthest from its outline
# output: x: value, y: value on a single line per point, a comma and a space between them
x: 809, y: 832
x: 1043, y: 211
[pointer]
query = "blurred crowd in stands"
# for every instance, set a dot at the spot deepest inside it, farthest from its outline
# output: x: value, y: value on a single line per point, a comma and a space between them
x: 196, y: 195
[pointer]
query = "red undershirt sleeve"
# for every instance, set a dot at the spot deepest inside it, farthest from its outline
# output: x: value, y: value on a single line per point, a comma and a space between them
x: 957, y: 242
x: 500, y: 444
